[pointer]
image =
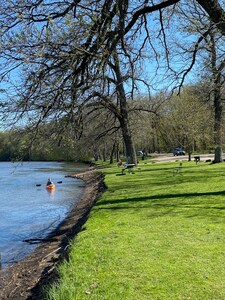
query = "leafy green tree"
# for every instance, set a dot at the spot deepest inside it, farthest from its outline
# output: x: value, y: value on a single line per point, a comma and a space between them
x: 68, y: 54
x: 208, y: 51
x: 189, y: 121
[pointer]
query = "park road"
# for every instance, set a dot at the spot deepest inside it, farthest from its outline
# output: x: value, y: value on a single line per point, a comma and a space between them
x: 169, y: 157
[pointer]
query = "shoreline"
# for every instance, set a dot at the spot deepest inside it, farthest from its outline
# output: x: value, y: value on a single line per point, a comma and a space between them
x: 26, y: 278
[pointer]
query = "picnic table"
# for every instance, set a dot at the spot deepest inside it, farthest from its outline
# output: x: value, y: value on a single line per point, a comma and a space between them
x: 129, y: 167
x: 197, y: 159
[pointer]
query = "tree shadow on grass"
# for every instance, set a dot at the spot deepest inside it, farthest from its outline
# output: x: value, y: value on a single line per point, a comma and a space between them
x: 185, y: 204
x: 159, y: 197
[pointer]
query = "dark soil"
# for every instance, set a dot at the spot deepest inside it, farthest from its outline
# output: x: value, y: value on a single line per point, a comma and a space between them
x: 27, y: 278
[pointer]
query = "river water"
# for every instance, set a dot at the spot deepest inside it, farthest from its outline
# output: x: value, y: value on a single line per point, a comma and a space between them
x: 27, y: 209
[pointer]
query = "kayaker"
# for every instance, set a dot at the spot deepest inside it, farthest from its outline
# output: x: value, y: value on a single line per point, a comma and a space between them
x: 49, y: 182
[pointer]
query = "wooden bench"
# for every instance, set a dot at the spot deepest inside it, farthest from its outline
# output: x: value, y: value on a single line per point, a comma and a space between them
x: 129, y: 167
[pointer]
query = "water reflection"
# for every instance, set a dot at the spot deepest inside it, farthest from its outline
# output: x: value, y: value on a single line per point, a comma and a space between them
x: 51, y: 194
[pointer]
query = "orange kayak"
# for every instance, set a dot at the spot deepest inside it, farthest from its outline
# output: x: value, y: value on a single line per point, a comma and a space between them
x: 50, y: 186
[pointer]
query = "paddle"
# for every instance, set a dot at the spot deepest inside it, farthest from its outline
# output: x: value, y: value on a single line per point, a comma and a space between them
x: 39, y: 184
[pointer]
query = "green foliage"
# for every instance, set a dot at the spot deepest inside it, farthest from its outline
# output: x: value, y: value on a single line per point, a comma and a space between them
x: 187, y: 121
x: 10, y: 146
x: 151, y: 235
x: 16, y: 145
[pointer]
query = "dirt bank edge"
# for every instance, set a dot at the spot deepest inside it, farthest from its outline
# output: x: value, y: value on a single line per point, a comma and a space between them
x: 26, y: 278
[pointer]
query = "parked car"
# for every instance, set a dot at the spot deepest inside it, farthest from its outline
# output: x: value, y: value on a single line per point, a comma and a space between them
x: 178, y: 151
x: 140, y: 153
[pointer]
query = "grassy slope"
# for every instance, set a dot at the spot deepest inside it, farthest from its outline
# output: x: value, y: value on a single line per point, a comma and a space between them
x: 152, y: 235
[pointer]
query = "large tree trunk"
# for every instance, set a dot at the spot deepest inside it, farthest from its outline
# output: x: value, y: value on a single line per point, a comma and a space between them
x: 218, y: 122
x: 217, y: 126
x: 129, y: 146
x: 217, y: 101
x: 104, y: 153
x: 123, y: 116
x: 95, y: 153
x: 112, y: 152
x: 218, y: 119
x: 215, y: 12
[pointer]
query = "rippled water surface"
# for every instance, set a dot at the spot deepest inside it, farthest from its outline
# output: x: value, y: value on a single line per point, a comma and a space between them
x: 28, y: 211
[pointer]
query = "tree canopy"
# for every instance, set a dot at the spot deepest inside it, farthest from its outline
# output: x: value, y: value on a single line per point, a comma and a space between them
x: 67, y: 59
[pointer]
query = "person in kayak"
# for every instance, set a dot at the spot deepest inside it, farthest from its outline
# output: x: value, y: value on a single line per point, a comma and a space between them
x: 49, y: 182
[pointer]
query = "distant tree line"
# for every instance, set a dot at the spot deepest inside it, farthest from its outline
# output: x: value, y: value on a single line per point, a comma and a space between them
x: 185, y: 120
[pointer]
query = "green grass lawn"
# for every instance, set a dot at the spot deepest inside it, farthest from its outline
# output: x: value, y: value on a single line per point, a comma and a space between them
x: 151, y: 235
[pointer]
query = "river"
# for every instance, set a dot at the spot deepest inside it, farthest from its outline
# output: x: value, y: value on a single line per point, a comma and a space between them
x: 27, y: 209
